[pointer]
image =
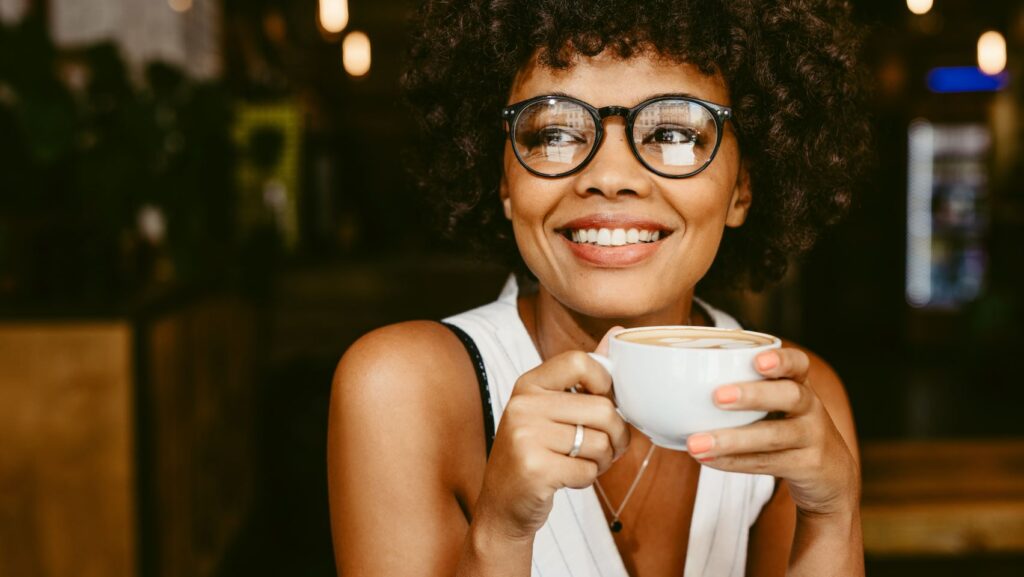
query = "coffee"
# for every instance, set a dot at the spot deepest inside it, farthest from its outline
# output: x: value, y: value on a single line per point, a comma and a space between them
x: 664, y: 378
x: 696, y: 338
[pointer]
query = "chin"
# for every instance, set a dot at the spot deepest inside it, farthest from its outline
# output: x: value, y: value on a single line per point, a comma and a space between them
x: 620, y: 301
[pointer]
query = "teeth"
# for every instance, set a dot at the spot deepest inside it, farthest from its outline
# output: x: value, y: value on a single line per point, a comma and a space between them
x: 614, y: 236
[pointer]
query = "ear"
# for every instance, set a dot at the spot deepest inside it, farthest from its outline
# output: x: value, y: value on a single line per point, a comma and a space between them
x: 739, y: 203
x: 506, y: 201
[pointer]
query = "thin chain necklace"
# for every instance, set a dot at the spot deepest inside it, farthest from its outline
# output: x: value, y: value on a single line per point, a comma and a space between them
x: 616, y: 524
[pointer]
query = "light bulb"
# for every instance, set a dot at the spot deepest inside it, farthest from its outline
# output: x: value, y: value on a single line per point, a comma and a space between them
x: 355, y: 52
x: 333, y: 15
x: 991, y: 52
x: 919, y: 7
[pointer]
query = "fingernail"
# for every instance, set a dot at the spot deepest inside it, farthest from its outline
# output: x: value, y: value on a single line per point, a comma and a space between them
x: 706, y: 459
x: 767, y: 361
x: 727, y: 395
x: 700, y: 443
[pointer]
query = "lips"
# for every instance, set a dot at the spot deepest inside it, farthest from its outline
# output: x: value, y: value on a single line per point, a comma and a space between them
x: 613, y: 240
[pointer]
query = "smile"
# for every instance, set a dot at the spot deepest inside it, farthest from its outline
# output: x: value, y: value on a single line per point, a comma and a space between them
x: 612, y: 236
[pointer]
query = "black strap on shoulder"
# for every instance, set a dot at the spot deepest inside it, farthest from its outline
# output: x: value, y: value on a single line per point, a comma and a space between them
x: 481, y: 379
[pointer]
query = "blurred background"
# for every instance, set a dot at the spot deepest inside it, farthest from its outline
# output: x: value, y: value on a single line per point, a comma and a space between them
x: 202, y: 204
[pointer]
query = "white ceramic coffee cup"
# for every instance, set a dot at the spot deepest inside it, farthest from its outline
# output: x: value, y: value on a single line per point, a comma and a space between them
x: 666, y: 392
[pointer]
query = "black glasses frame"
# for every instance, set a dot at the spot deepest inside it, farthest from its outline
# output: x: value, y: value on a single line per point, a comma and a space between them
x: 510, y: 114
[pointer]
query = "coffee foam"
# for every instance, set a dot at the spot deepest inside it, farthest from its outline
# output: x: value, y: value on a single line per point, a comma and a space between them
x: 690, y: 338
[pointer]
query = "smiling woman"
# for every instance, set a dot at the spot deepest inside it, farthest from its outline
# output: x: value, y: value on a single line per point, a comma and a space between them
x: 615, y: 154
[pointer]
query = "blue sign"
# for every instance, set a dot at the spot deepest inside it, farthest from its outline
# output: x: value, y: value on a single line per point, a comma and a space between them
x: 965, y: 79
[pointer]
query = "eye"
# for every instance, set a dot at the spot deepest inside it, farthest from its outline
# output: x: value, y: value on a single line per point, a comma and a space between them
x: 672, y: 134
x: 554, y: 136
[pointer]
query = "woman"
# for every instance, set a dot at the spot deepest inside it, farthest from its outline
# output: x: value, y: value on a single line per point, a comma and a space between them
x: 616, y: 153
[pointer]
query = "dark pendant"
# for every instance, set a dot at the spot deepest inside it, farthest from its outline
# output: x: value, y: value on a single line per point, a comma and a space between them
x: 616, y: 526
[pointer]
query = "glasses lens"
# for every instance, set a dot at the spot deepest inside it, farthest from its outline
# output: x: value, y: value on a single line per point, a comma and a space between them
x: 553, y: 136
x: 675, y: 137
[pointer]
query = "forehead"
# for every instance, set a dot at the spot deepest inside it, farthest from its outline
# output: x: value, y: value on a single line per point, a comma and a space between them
x: 607, y: 79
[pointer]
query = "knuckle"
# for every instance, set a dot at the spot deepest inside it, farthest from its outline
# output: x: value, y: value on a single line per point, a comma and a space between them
x: 578, y: 361
x: 515, y: 408
x: 783, y: 437
x: 762, y: 464
x: 533, y: 466
x: 796, y: 393
x: 602, y: 444
x: 520, y: 437
x: 523, y: 383
x: 608, y: 414
x: 751, y: 394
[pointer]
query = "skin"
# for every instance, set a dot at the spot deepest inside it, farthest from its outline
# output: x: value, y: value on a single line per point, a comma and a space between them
x: 411, y: 491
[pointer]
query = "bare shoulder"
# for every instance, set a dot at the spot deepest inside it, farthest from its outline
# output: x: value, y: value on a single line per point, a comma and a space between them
x: 405, y: 449
x: 402, y: 368
x: 829, y: 387
x: 408, y: 349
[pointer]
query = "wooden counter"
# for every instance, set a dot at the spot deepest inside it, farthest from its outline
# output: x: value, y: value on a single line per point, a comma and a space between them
x: 67, y: 474
x: 127, y: 444
x: 943, y: 497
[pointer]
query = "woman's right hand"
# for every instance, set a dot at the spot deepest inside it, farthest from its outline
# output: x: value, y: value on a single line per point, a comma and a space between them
x: 529, y: 460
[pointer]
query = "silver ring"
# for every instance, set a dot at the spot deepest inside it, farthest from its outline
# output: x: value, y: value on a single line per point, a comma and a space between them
x: 577, y: 442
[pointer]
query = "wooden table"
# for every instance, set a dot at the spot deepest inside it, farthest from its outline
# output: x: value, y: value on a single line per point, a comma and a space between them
x: 943, y: 497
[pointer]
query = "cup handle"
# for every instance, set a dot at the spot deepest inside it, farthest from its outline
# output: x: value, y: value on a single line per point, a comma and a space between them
x: 603, y: 361
x: 607, y: 364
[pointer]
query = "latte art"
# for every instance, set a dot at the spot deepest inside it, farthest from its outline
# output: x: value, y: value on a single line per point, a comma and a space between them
x: 695, y: 338
x: 703, y: 343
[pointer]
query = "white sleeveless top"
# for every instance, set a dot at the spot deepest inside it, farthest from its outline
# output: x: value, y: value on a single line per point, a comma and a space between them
x: 576, y: 541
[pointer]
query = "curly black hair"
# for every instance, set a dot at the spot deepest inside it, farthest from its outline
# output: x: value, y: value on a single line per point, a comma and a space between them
x: 791, y: 67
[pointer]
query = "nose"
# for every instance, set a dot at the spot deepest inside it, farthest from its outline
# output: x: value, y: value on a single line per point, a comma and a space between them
x: 614, y: 170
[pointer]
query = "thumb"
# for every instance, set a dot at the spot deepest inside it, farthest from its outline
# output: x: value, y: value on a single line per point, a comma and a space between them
x: 602, y: 347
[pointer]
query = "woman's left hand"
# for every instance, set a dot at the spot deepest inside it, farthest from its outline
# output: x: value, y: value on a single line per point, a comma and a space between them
x: 802, y: 446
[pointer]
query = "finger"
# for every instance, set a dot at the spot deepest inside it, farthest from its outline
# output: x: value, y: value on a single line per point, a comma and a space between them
x: 592, y: 411
x: 564, y: 371
x: 595, y: 445
x: 578, y: 473
x: 777, y: 463
x: 602, y: 347
x: 783, y: 395
x: 783, y: 363
x: 759, y: 437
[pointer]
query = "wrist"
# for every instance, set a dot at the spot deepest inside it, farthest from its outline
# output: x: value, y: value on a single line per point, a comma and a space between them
x: 487, y: 533
x: 832, y: 540
x: 490, y: 550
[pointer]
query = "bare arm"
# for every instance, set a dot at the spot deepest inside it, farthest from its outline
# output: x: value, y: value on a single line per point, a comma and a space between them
x: 410, y: 491
x: 393, y: 452
x: 831, y: 544
x: 825, y: 537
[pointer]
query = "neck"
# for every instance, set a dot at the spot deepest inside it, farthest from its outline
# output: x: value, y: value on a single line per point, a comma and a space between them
x: 556, y: 328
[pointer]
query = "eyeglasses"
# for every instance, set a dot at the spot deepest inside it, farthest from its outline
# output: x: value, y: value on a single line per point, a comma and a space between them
x: 673, y: 136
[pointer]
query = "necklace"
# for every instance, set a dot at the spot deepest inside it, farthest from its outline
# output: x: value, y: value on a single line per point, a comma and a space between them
x: 616, y: 524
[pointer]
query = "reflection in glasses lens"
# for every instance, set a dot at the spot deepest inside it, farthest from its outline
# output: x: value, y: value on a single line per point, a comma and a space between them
x: 674, y: 136
x: 554, y: 136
